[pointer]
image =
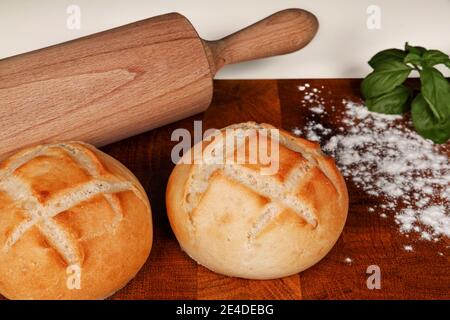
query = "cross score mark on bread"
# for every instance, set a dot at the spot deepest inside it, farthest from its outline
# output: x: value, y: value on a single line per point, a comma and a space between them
x: 41, y: 215
x: 281, y: 194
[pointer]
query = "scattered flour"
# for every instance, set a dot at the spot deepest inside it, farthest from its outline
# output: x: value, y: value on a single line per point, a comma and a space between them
x: 348, y: 260
x: 408, y: 248
x: 297, y: 131
x: 319, y: 109
x: 385, y: 158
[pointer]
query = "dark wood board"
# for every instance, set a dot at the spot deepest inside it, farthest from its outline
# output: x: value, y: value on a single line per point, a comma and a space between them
x: 367, y: 239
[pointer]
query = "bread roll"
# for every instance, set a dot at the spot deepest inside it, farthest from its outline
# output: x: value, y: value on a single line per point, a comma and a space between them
x: 74, y: 223
x: 236, y: 221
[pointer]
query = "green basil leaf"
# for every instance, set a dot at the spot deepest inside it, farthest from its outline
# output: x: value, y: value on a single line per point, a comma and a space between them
x: 395, y: 54
x: 436, y: 91
x: 448, y: 64
x: 394, y: 102
x: 415, y: 49
x: 385, y: 78
x: 413, y: 58
x: 426, y: 124
x: 433, y: 57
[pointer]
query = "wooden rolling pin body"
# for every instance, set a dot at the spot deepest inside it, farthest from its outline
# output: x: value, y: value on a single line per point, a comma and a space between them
x: 124, y: 81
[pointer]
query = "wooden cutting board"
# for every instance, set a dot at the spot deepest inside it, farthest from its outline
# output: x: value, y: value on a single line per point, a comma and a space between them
x: 367, y: 239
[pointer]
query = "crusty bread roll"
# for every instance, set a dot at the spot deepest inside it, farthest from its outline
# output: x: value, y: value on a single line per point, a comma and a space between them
x: 74, y: 223
x: 236, y: 221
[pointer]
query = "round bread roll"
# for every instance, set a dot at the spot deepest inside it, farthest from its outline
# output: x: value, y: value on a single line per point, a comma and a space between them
x: 239, y: 220
x: 74, y: 223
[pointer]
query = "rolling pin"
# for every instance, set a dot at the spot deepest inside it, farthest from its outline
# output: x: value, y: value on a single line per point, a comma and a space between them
x: 121, y: 82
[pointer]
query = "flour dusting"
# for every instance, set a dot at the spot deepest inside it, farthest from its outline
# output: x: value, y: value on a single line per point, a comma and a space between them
x: 383, y: 157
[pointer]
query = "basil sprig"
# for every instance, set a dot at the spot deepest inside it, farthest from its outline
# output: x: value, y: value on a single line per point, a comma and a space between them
x: 384, y: 90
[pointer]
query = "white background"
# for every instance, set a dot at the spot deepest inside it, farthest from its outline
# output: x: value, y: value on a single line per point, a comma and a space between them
x: 341, y: 48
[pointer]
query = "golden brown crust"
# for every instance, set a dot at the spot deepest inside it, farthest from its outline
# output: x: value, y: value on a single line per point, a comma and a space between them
x: 65, y: 205
x: 238, y: 230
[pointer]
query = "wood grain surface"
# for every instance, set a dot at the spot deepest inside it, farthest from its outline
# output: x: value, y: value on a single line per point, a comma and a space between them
x: 280, y: 33
x: 104, y: 87
x: 367, y: 239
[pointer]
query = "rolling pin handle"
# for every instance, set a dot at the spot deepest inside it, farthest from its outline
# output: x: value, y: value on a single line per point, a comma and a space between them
x: 283, y: 32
